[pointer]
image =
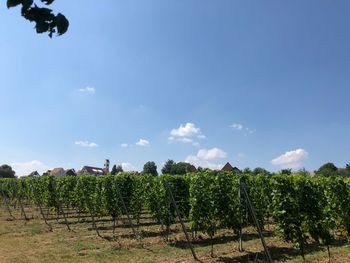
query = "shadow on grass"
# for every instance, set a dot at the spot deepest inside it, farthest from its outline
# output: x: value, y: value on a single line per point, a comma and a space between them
x: 126, y: 225
x: 281, y: 253
x: 150, y: 234
x: 217, y: 240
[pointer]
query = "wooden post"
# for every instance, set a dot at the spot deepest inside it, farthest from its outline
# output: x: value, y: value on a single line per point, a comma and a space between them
x: 240, y: 241
x: 7, y: 203
x: 180, y: 219
x: 39, y: 204
x: 125, y: 208
x: 60, y: 208
x: 21, y: 205
x: 250, y: 206
x: 91, y: 213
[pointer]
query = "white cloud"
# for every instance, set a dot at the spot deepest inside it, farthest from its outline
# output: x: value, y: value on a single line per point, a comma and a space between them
x: 26, y: 168
x: 193, y: 159
x: 292, y: 159
x: 143, y: 142
x: 204, y: 157
x: 88, y: 90
x: 128, y: 167
x: 210, y: 154
x: 188, y: 130
x: 186, y: 133
x: 124, y: 145
x: 242, y: 128
x: 237, y: 126
x: 86, y: 144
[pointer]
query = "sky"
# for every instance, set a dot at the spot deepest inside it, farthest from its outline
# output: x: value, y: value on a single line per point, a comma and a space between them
x: 254, y: 83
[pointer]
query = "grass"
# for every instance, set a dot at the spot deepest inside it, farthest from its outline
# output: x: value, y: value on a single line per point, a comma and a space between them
x: 31, y: 241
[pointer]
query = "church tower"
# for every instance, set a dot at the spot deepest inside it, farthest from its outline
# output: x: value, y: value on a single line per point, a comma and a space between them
x: 106, y: 166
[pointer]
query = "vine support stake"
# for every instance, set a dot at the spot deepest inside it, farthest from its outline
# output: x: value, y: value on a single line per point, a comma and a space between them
x: 180, y: 219
x: 251, y: 209
x: 240, y: 242
x: 39, y: 204
x: 7, y: 203
x: 21, y: 205
x: 90, y: 208
x: 60, y: 207
x: 125, y: 208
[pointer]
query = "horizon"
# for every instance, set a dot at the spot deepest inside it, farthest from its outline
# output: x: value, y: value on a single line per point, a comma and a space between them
x: 250, y: 83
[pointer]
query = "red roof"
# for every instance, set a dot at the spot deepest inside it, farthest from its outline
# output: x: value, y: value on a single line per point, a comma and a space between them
x: 229, y: 168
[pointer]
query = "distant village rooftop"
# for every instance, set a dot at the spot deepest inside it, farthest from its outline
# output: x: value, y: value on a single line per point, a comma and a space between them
x: 229, y: 168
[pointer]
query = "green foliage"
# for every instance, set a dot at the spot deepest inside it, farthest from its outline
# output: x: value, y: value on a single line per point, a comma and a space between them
x: 337, y: 205
x: 45, y: 20
x: 169, y: 167
x: 247, y: 170
x: 111, y: 200
x: 180, y: 168
x: 300, y: 210
x: 150, y: 168
x: 260, y: 170
x: 119, y: 169
x: 286, y: 171
x: 203, y: 214
x: 6, y: 171
x: 114, y: 170
x: 287, y: 211
x: 158, y: 201
x: 303, y: 171
x: 259, y: 189
x: 303, y: 207
x: 328, y: 169
x: 226, y: 200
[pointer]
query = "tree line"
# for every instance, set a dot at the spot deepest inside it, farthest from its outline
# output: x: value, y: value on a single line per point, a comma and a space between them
x: 181, y: 168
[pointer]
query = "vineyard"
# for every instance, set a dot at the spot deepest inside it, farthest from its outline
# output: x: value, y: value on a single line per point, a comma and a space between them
x: 302, y: 210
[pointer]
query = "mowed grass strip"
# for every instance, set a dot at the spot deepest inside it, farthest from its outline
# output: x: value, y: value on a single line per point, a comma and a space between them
x: 31, y: 241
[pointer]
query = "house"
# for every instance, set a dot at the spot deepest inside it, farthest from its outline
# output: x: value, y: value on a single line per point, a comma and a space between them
x: 71, y: 172
x: 229, y: 168
x: 192, y: 169
x: 92, y: 170
x: 58, y: 172
x: 34, y: 174
x: 95, y: 170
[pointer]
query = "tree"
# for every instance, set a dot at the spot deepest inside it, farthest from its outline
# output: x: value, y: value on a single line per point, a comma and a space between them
x: 114, y: 170
x: 45, y: 20
x: 328, y: 169
x: 260, y: 170
x: 182, y: 168
x: 247, y: 170
x: 201, y: 169
x: 286, y: 171
x: 47, y: 173
x: 168, y: 167
x: 303, y: 171
x: 6, y: 171
x: 119, y: 169
x: 150, y: 168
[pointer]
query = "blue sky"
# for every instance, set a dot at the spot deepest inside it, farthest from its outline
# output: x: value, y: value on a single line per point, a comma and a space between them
x: 255, y: 83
